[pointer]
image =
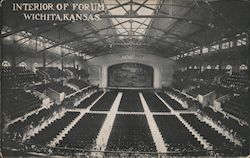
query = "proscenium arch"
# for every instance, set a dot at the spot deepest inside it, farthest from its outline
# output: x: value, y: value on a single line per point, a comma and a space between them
x: 156, y: 72
x: 137, y: 75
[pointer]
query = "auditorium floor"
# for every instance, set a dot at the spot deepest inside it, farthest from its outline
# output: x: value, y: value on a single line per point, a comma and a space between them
x: 131, y: 121
x: 124, y: 105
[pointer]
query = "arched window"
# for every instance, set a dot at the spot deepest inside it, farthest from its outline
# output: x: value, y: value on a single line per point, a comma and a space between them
x: 5, y: 64
x: 209, y: 67
x: 35, y: 65
x: 23, y: 64
x: 195, y: 67
x: 243, y: 67
x: 217, y: 67
x: 229, y: 67
x: 190, y: 67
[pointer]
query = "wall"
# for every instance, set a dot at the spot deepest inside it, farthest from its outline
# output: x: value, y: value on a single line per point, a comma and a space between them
x: 55, y: 96
x: 207, y: 99
x: 98, y: 67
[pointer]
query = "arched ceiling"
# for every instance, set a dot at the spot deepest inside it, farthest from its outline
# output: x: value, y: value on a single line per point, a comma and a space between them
x: 167, y: 27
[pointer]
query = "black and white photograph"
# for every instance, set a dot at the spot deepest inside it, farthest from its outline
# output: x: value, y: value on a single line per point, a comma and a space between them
x: 125, y: 78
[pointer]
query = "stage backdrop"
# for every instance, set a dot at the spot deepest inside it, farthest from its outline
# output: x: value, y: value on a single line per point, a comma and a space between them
x: 130, y: 75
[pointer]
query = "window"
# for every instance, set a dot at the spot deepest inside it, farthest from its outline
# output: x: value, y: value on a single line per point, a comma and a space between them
x: 229, y: 67
x: 204, y: 50
x: 217, y: 67
x: 8, y: 38
x: 3, y: 32
x: 23, y: 64
x: 209, y: 67
x: 6, y: 64
x: 31, y: 42
x: 17, y: 37
x: 191, y: 53
x: 242, y: 41
x: 23, y: 32
x: 178, y: 57
x: 243, y: 67
x: 215, y: 47
x: 225, y: 45
x: 40, y: 44
x: 198, y: 51
x: 28, y: 33
x: 35, y: 65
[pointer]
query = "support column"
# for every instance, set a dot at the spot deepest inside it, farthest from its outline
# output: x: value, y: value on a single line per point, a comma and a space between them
x: 44, y: 60
x: 248, y: 49
x: 74, y: 61
x: 13, y: 59
x: 62, y: 56
x: 62, y: 53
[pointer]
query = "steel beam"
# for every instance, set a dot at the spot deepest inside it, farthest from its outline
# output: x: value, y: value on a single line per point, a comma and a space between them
x: 24, y: 28
x: 72, y: 39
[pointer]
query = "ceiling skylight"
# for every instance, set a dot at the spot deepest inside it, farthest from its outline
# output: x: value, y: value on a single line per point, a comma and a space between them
x: 131, y: 27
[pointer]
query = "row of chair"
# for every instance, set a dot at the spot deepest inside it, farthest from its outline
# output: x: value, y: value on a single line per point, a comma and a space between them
x: 176, y: 135
x: 154, y: 103
x: 130, y: 102
x: 217, y: 140
x: 238, y: 106
x: 52, y: 130
x: 84, y: 133
x: 131, y: 133
x: 79, y: 83
x: 171, y: 102
x: 225, y: 122
x: 105, y: 102
x: 17, y: 102
x: 17, y: 76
